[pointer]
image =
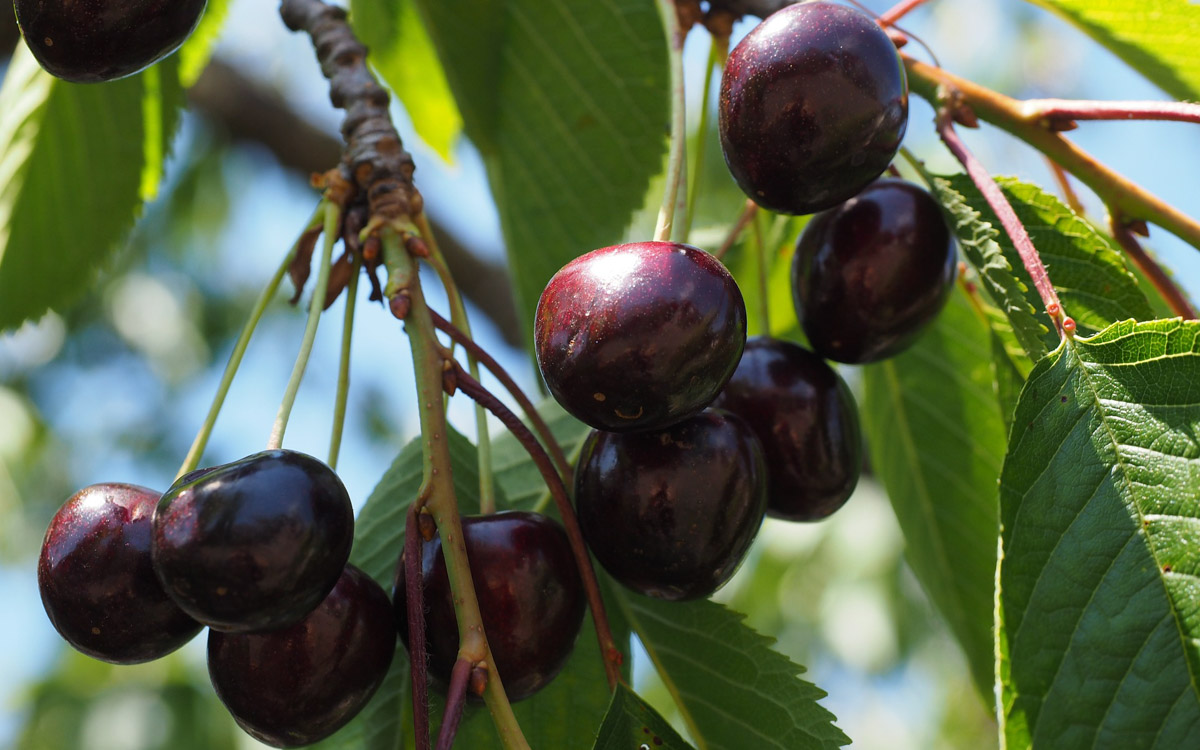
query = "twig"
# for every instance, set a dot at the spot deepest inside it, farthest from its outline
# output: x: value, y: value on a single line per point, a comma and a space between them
x: 1060, y: 114
x: 1164, y: 284
x: 415, y: 601
x: 556, y: 452
x: 610, y: 654
x: 456, y: 699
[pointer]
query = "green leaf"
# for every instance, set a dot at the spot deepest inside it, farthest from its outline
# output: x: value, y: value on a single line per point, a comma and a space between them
x: 582, y: 129
x: 977, y: 239
x: 630, y: 723
x: 403, y: 53
x: 1099, y: 609
x: 196, y: 51
x: 732, y: 689
x: 1157, y: 38
x: 936, y: 438
x: 76, y: 163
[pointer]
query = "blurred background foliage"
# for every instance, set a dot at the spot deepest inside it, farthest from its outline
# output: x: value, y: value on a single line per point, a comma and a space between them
x: 113, y: 388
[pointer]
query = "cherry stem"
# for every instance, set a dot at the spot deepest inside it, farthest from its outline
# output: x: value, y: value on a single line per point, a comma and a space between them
x: 1118, y: 192
x: 1008, y: 218
x: 890, y: 16
x: 744, y: 218
x: 1060, y: 114
x: 429, y: 367
x: 192, y: 460
x: 343, y: 384
x: 552, y: 445
x: 764, y: 301
x: 415, y: 597
x: 1064, y: 185
x: 677, y: 156
x: 458, y: 314
x: 715, y: 59
x: 610, y: 654
x: 333, y: 218
x: 456, y: 698
x: 1154, y: 273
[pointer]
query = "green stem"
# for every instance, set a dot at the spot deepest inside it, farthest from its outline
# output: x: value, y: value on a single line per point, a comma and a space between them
x: 343, y: 384
x: 714, y: 60
x: 333, y: 217
x: 438, y: 485
x: 678, y: 146
x: 458, y: 316
x: 764, y: 304
x: 192, y: 460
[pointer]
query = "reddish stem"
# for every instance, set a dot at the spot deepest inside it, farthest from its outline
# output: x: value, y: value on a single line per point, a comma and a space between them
x: 456, y: 698
x: 1064, y: 185
x: 416, y: 627
x: 1060, y: 114
x: 743, y: 219
x: 1167, y: 288
x: 890, y: 16
x: 610, y: 654
x: 485, y: 359
x: 1008, y: 218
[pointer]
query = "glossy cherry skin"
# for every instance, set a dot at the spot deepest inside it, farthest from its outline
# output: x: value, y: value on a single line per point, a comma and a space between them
x: 813, y: 106
x: 806, y: 420
x: 300, y: 684
x: 88, y: 41
x: 671, y: 514
x: 870, y: 274
x: 639, y: 336
x: 255, y: 544
x: 530, y: 597
x: 97, y: 583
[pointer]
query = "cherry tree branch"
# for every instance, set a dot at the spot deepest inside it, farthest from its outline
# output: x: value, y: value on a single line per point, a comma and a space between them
x: 1060, y: 114
x: 609, y: 651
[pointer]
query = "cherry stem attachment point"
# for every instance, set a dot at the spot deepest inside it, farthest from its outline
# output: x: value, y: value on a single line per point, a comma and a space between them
x: 677, y: 155
x: 1004, y: 212
x: 610, y: 654
x: 415, y: 598
x: 456, y: 698
x: 1175, y: 297
x: 551, y: 444
x: 333, y: 219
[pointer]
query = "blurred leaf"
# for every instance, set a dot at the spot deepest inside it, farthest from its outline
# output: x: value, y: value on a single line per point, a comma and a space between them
x: 936, y: 437
x: 732, y: 689
x: 1157, y: 38
x: 404, y: 56
x: 196, y: 51
x: 1099, y: 607
x: 630, y: 723
x: 583, y: 125
x: 779, y: 235
x: 76, y: 163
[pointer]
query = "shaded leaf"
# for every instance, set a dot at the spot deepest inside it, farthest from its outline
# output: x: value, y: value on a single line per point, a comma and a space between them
x: 1157, y: 38
x: 630, y: 724
x: 936, y: 439
x: 1099, y: 611
x: 583, y: 127
x: 76, y: 163
x: 732, y: 689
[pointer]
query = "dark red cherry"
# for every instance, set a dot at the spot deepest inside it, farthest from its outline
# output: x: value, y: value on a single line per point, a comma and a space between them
x: 255, y: 544
x: 297, y: 685
x: 672, y: 513
x: 870, y: 274
x: 530, y: 597
x: 97, y: 583
x: 813, y: 106
x: 639, y: 336
x: 99, y: 40
x: 805, y: 418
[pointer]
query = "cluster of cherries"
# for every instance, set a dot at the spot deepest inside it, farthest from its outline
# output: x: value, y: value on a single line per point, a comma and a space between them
x: 256, y: 550
x: 699, y: 432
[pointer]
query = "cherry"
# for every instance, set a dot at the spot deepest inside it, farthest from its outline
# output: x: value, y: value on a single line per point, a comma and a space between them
x: 639, y: 336
x: 813, y: 106
x: 805, y: 417
x: 97, y: 583
x: 100, y: 40
x: 255, y: 544
x: 870, y: 274
x: 530, y: 597
x: 672, y: 513
x: 300, y: 684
